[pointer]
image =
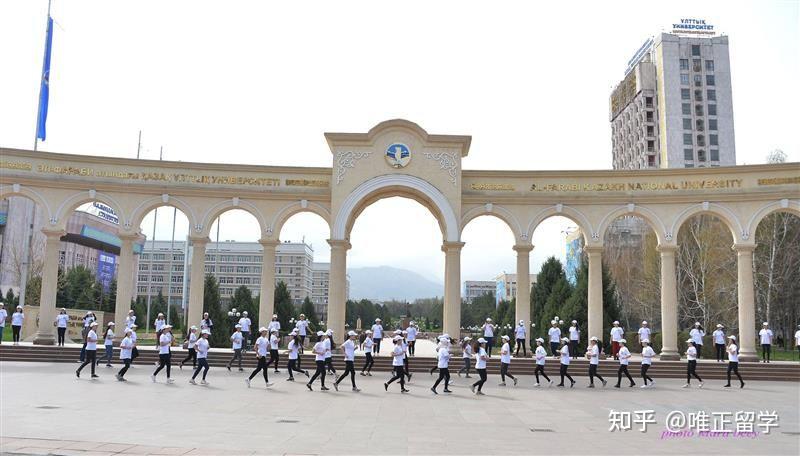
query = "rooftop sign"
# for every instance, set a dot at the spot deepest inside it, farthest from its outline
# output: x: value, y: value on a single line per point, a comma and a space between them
x: 693, y: 27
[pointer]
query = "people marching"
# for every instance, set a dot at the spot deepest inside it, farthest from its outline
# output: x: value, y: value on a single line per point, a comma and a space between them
x: 349, y: 348
x: 565, y: 359
x: 505, y: 362
x: 443, y: 363
x: 719, y: 343
x: 481, y: 356
x: 647, y: 360
x: 593, y: 353
x: 519, y: 334
x: 733, y: 362
x: 624, y: 356
x: 202, y: 357
x: 541, y: 355
x: 190, y: 342
x: 366, y: 346
x: 90, y: 350
x: 108, y: 343
x: 691, y: 363
x: 466, y: 354
x: 261, y: 347
x: 164, y: 353
x: 320, y: 350
x: 398, y: 366
x: 294, y: 347
x: 237, y: 339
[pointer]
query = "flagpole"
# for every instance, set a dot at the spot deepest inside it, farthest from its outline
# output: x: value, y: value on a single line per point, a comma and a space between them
x: 44, y: 59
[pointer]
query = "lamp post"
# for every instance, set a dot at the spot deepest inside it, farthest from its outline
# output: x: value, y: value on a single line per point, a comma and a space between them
x: 233, y: 316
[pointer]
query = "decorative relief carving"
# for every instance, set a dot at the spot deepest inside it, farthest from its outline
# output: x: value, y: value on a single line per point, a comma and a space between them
x: 668, y: 235
x: 346, y: 160
x: 447, y: 162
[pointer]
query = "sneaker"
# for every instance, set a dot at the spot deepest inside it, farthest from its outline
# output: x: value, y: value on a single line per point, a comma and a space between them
x: 95, y: 376
x: 652, y: 384
x: 501, y: 384
x: 356, y: 390
x: 472, y: 387
x: 590, y: 386
x: 479, y: 393
x: 386, y: 386
x: 551, y: 382
x: 403, y: 390
x: 685, y: 386
x: 701, y: 385
x: 726, y: 386
x: 363, y: 374
x: 78, y: 374
x: 447, y: 391
x: 108, y: 365
x: 742, y: 385
x: 229, y: 368
x: 290, y: 379
x: 468, y: 376
x: 247, y: 381
x: 191, y: 380
x: 434, y: 391
x: 325, y: 388
x: 616, y: 386
x: 306, y: 372
x: 560, y: 385
x: 369, y: 374
x: 644, y: 386
x: 241, y: 370
x: 308, y: 385
x: 604, y: 383
x: 536, y: 384
x: 203, y: 382
x: 269, y: 384
x: 632, y: 385
x: 153, y: 378
x: 336, y: 386
x: 169, y: 380
x: 515, y: 382
x: 572, y: 384
x: 122, y: 379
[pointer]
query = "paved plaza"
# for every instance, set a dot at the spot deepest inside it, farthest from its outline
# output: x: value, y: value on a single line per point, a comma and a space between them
x: 46, y: 410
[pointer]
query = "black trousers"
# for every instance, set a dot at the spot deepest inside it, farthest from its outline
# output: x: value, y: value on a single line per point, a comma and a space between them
x: 563, y: 372
x: 573, y: 348
x: 444, y: 374
x: 245, y: 340
x: 504, y: 372
x: 320, y: 372
x: 623, y: 369
x: 202, y: 363
x: 237, y: 354
x: 489, y: 344
x: 293, y: 367
x: 61, y: 336
x: 554, y: 348
x: 191, y: 356
x: 329, y: 365
x: 691, y: 371
x: 164, y: 361
x: 540, y: 370
x: 368, y: 364
x: 399, y: 374
x: 479, y: 383
x: 411, y: 344
x: 766, y: 351
x: 720, y: 349
x: 376, y: 345
x: 134, y: 353
x: 405, y: 367
x: 733, y: 366
x: 273, y: 358
x: 521, y: 343
x: 125, y: 368
x: 15, y: 332
x: 593, y: 373
x: 467, y: 365
x: 262, y: 366
x: 646, y: 377
x: 91, y: 357
x: 699, y: 350
x: 349, y: 368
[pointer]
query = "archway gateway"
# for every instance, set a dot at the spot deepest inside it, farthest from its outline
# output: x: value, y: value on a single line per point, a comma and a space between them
x: 399, y: 158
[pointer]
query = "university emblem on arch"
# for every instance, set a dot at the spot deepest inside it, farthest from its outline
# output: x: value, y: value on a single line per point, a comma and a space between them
x: 398, y: 155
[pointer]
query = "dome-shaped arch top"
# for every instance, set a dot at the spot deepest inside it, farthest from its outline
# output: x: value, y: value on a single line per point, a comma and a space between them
x: 7, y: 191
x: 446, y: 215
x: 498, y: 212
x: 561, y: 210
x: 69, y: 205
x: 287, y: 211
x: 784, y: 205
x: 650, y: 217
x: 215, y: 211
x: 723, y: 213
x: 144, y: 208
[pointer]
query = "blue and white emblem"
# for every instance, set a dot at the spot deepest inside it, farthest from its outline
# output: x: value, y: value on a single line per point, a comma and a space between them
x: 398, y: 155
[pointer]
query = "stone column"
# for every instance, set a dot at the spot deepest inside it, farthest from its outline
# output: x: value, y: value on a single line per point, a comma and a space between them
x: 197, y: 282
x: 595, y: 298
x: 747, y: 312
x: 337, y: 287
x: 47, y: 300
x: 452, y: 292
x: 669, y: 304
x: 266, y: 302
x: 125, y: 285
x: 523, y: 305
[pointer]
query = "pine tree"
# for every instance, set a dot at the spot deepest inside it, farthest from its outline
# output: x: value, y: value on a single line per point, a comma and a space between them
x: 311, y: 315
x: 283, y: 305
x: 211, y: 304
x: 243, y: 301
x: 11, y: 301
x: 552, y: 270
x: 556, y: 305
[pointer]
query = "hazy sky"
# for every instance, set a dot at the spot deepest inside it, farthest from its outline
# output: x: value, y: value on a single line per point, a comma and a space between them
x: 259, y: 82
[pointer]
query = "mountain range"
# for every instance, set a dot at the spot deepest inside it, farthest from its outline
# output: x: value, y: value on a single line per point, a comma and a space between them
x: 383, y: 283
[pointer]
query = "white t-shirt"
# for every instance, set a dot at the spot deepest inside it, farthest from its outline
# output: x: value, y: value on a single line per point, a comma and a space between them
x: 411, y: 333
x: 166, y: 339
x: 302, y: 327
x: 377, y: 331
x: 616, y: 333
x: 797, y: 337
x: 91, y: 340
x: 594, y: 355
x: 467, y: 353
x: 505, y: 353
x: 159, y: 324
x: 349, y: 350
x: 16, y: 318
x: 274, y: 325
x: 273, y: 342
x: 397, y: 355
x: 733, y: 353
x: 719, y: 336
x: 261, y: 346
x: 109, y: 340
x: 202, y: 348
x: 644, y: 333
x: 480, y: 359
x: 87, y: 321
x: 320, y: 350
x: 488, y: 330
x: 130, y: 320
x: 574, y: 334
x: 192, y: 340
x: 697, y: 336
x: 368, y: 343
x: 245, y: 323
x: 3, y: 316
x: 623, y: 355
x: 133, y: 336
x: 541, y: 355
x: 691, y: 354
x: 292, y: 349
x: 647, y: 355
x: 61, y: 320
x: 565, y: 355
x: 519, y: 332
x: 328, y: 348
x: 126, y: 348
x: 444, y: 358
x: 555, y: 334
x: 766, y: 336
x: 236, y: 339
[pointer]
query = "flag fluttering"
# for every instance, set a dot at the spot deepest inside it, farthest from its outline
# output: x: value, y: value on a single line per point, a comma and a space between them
x: 44, y: 90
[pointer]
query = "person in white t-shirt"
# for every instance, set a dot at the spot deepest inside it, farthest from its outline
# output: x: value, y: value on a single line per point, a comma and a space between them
x: 130, y: 320
x: 3, y: 318
x: 719, y: 342
x: 159, y: 324
x: 554, y: 336
x: 329, y: 344
x: 319, y: 350
x: 377, y: 336
x: 367, y: 347
x: 647, y: 360
x: 261, y: 348
x: 405, y: 358
x: 520, y: 335
x: 134, y: 350
x: 274, y: 345
x: 505, y: 361
x: 398, y: 354
x: 766, y: 342
x: 697, y: 333
x: 565, y: 359
x: 481, y: 356
x: 191, y: 355
x: 443, y: 364
x: 593, y: 353
x: 245, y: 323
x: 617, y: 333
x: 797, y: 340
x: 91, y: 350
x: 202, y: 357
x: 274, y: 324
x: 237, y: 341
x: 466, y: 354
x: 16, y: 325
x: 125, y: 354
x: 206, y: 323
x: 733, y: 362
x: 411, y: 337
x: 644, y: 332
x: 164, y: 353
x: 349, y: 349
x: 295, y: 342
x: 108, y: 344
x: 488, y: 335
x: 574, y: 338
x: 540, y: 355
x: 691, y: 366
x: 624, y: 358
x: 61, y: 325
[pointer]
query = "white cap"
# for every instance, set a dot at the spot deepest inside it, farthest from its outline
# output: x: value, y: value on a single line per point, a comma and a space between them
x: 765, y: 324
x: 320, y: 333
x: 411, y: 322
x: 444, y: 336
x: 167, y: 327
x: 574, y: 321
x: 396, y: 338
x: 595, y: 339
x: 645, y: 341
x: 351, y: 333
x: 134, y: 326
x: 481, y: 340
x: 111, y: 323
x: 564, y: 339
x: 644, y: 322
x: 689, y: 340
x: 88, y: 312
x: 369, y: 331
x: 274, y: 315
x: 397, y: 332
x: 263, y: 329
x: 697, y: 323
x: 552, y: 322
x: 467, y: 338
x: 732, y: 337
x: 128, y: 330
x: 329, y: 332
x: 94, y: 323
x: 506, y: 338
x: 522, y: 322
x: 160, y: 314
x: 719, y: 326
x: 293, y: 333
x: 244, y: 313
x: 130, y: 311
x: 488, y: 319
x: 205, y: 331
x: 377, y: 320
x: 404, y: 332
x: 238, y: 326
x: 193, y: 327
x: 616, y: 322
x: 539, y: 339
x: 623, y: 341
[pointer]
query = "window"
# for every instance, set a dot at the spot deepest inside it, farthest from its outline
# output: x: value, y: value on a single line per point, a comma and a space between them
x: 698, y: 95
x: 699, y: 125
x: 709, y: 65
x: 698, y: 110
x: 684, y: 79
x: 650, y: 130
x: 688, y: 154
x: 649, y: 116
x: 143, y: 267
x: 711, y: 94
x: 686, y: 109
x: 714, y: 140
x: 177, y: 279
x: 701, y: 155
x: 689, y: 165
x: 685, y: 64
x: 685, y: 94
x: 687, y: 139
x: 651, y: 146
x: 715, y: 155
x: 701, y: 140
x: 710, y: 79
x: 696, y: 49
x: 712, y: 124
x: 712, y: 110
x: 698, y: 80
x: 687, y: 124
x: 696, y: 65
x: 648, y: 102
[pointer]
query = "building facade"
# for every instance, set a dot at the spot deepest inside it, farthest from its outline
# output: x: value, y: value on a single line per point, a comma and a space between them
x: 506, y: 287
x: 674, y: 109
x: 477, y: 288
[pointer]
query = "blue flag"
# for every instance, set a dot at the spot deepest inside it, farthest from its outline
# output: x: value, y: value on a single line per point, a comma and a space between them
x: 44, y: 91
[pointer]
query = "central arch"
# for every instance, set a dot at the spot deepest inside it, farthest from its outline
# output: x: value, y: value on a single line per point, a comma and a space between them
x: 397, y: 185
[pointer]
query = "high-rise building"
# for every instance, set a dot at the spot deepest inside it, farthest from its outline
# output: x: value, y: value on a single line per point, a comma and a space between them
x: 673, y: 108
x: 321, y: 273
x: 477, y: 288
x: 506, y: 286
